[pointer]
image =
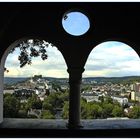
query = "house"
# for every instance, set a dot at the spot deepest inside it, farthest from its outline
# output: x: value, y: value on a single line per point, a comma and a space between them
x: 122, y: 100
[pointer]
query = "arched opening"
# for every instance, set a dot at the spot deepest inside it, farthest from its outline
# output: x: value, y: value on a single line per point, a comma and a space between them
x: 34, y: 81
x: 111, y: 83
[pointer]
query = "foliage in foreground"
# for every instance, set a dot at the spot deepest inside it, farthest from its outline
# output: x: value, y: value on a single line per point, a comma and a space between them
x: 89, y: 110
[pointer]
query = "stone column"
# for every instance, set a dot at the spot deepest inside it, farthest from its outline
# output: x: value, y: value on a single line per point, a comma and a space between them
x: 1, y: 94
x: 1, y: 107
x: 75, y: 77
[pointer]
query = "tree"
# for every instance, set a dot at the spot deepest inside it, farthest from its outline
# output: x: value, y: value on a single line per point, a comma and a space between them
x: 65, y: 113
x: 135, y: 112
x: 22, y: 114
x: 50, y: 100
x: 47, y: 106
x: 32, y: 116
x: 34, y: 102
x: 31, y: 48
x: 11, y: 106
x: 101, y: 98
x: 86, y: 88
x: 117, y: 111
x: 6, y: 94
x: 47, y: 115
x: 83, y: 108
x: 64, y: 96
x: 107, y: 110
x: 51, y: 103
x: 55, y: 100
x: 91, y: 111
x: 23, y: 111
x: 108, y: 100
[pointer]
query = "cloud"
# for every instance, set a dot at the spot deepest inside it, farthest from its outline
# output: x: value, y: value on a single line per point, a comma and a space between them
x: 107, y: 59
x: 54, y: 66
x: 112, y: 59
x: 56, y: 73
x: 116, y: 53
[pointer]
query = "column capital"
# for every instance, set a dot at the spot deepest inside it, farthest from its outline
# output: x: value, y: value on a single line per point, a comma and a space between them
x: 75, y: 70
x: 75, y: 75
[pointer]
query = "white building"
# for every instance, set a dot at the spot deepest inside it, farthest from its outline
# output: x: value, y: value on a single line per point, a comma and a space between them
x: 10, y: 91
x: 121, y: 100
x: 133, y: 96
x: 91, y: 98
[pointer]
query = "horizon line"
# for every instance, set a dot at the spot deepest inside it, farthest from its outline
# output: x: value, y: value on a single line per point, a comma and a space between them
x: 82, y: 77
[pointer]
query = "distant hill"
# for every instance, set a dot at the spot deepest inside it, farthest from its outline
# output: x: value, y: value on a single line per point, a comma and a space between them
x: 113, y: 79
x: 11, y: 80
x: 14, y: 80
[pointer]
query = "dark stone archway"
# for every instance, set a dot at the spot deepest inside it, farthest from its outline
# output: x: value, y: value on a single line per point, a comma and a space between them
x: 107, y: 21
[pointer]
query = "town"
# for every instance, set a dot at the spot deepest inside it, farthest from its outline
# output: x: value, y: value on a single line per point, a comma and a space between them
x: 48, y: 98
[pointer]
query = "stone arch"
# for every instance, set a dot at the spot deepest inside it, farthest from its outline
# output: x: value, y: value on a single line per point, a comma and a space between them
x: 2, y: 63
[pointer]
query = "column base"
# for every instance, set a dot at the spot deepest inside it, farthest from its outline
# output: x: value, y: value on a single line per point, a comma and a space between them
x: 72, y: 126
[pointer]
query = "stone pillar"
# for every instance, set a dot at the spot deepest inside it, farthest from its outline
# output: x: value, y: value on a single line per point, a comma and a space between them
x: 1, y: 94
x: 1, y: 107
x: 75, y: 77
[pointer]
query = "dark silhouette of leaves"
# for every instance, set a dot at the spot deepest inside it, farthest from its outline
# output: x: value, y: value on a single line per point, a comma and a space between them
x: 65, y: 17
x: 31, y: 48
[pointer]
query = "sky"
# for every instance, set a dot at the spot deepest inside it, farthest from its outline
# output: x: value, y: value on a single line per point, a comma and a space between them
x: 108, y: 59
x: 112, y: 59
x: 76, y: 23
x: 52, y: 67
